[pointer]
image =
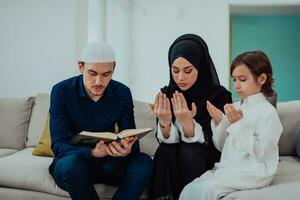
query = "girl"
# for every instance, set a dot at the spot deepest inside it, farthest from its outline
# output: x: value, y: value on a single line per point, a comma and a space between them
x: 186, y: 149
x: 247, y: 134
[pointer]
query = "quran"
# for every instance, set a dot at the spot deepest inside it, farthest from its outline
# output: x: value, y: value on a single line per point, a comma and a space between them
x: 92, y: 138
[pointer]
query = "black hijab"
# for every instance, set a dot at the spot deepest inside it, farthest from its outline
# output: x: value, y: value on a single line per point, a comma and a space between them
x: 207, y: 86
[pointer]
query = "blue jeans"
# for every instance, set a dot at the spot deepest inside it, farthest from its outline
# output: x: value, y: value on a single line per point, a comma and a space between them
x: 77, y: 175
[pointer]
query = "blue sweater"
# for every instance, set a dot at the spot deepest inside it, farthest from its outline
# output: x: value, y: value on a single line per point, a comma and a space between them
x: 72, y: 111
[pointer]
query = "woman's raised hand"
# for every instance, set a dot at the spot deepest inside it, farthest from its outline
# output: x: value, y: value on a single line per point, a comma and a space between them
x: 214, y: 112
x: 162, y: 109
x: 181, y: 110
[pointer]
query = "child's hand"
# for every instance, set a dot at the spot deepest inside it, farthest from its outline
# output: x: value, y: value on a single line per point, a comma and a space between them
x: 232, y: 113
x: 214, y: 112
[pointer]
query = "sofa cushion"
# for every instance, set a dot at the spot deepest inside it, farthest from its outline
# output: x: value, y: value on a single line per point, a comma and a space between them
x: 107, y: 192
x: 273, y: 100
x: 38, y: 118
x: 17, y: 194
x: 24, y: 171
x: 145, y: 118
x: 285, y: 184
x: 31, y: 173
x: 14, y: 117
x: 289, y: 117
x: 297, y: 142
x: 6, y: 152
x: 43, y: 148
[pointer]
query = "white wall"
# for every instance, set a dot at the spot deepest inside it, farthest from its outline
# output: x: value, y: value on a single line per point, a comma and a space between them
x: 155, y: 24
x: 117, y: 33
x: 39, y: 44
x: 109, y: 20
x: 41, y: 40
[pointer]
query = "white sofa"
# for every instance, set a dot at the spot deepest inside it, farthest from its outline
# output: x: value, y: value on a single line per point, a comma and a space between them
x: 24, y: 176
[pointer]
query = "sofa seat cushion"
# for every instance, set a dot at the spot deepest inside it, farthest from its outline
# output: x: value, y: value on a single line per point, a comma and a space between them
x: 288, y: 170
x: 285, y: 184
x: 6, y: 152
x: 19, y: 194
x: 23, y: 170
x: 107, y: 192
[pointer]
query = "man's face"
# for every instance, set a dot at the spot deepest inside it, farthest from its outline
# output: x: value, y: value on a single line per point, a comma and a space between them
x: 96, y: 77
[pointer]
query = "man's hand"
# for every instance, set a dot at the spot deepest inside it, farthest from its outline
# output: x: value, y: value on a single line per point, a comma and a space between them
x: 121, y: 149
x: 99, y: 150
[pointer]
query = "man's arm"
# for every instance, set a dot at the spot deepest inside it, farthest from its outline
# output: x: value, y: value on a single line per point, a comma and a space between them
x: 127, y: 117
x: 126, y: 122
x: 60, y: 130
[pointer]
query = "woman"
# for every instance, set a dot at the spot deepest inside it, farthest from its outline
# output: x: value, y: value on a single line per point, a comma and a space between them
x: 186, y: 149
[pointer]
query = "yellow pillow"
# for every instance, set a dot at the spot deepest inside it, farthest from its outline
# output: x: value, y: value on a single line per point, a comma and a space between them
x: 44, y: 146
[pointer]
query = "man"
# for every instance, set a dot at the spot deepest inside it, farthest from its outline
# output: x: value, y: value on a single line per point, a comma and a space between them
x: 94, y: 102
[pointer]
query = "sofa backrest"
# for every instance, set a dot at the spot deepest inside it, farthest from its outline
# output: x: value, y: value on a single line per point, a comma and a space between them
x: 14, y: 117
x: 289, y: 114
x: 38, y: 119
x: 144, y: 118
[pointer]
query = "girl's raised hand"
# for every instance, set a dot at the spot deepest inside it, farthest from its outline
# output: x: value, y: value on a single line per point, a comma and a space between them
x: 232, y: 113
x: 214, y: 112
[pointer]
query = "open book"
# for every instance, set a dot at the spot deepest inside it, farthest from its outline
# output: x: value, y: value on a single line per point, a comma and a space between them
x: 92, y: 138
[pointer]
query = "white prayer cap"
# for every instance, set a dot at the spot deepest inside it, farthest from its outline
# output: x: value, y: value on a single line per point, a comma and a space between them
x: 97, y: 52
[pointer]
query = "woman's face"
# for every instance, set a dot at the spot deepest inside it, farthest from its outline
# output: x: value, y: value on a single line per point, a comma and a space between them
x: 184, y: 73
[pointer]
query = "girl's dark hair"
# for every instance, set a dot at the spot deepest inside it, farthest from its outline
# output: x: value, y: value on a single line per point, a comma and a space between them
x: 258, y: 63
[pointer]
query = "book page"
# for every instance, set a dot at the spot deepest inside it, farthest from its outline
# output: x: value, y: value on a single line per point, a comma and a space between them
x: 108, y: 135
x: 133, y: 132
